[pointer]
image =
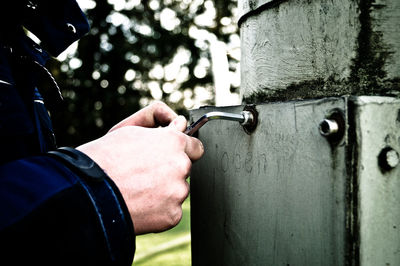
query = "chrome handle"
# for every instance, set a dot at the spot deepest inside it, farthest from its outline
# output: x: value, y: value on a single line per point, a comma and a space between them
x: 244, y: 118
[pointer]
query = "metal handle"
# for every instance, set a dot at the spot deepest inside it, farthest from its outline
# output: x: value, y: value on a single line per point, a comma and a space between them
x: 244, y: 118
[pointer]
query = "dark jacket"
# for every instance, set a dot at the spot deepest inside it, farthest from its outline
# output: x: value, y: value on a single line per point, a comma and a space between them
x: 50, y: 212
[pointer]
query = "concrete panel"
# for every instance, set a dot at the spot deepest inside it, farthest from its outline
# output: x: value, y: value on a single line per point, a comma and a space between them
x: 286, y: 195
x: 275, y: 197
x: 378, y: 130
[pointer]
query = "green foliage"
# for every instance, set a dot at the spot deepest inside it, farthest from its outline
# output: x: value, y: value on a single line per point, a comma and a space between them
x: 138, y: 51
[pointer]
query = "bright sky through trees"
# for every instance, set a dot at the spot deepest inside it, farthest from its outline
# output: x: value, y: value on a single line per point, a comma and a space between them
x: 173, y: 71
x: 183, y: 52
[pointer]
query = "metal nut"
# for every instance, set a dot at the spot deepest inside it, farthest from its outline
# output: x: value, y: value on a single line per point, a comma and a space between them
x: 328, y: 127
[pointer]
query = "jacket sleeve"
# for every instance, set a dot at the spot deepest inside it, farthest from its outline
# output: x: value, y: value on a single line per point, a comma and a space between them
x: 52, y: 216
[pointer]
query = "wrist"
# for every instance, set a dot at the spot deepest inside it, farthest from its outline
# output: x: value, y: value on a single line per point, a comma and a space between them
x: 107, y: 200
x: 79, y: 162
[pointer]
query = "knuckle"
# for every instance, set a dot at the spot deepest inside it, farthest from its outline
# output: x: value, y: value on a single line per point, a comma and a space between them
x: 175, y: 217
x: 181, y: 138
x: 178, y: 137
x: 180, y: 165
x: 185, y: 165
x: 182, y: 192
x: 158, y: 105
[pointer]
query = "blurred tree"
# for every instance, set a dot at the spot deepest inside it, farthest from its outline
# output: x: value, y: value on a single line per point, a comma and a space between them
x: 138, y: 51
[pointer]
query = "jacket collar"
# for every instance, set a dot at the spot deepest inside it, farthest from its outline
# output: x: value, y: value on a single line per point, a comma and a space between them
x: 56, y: 23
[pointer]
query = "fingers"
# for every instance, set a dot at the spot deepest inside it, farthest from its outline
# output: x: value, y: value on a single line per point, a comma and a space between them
x: 154, y: 115
x: 193, y: 147
x: 160, y: 115
x: 179, y: 123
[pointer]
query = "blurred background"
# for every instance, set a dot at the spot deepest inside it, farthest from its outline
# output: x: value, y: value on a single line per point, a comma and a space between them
x: 183, y: 52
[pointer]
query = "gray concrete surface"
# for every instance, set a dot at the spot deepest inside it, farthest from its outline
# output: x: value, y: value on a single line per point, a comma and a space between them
x: 286, y: 195
x: 303, y: 49
x: 275, y: 197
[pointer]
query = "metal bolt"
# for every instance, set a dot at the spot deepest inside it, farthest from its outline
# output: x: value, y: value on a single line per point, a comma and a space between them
x: 248, y: 118
x: 328, y: 127
x: 251, y: 118
x: 388, y: 158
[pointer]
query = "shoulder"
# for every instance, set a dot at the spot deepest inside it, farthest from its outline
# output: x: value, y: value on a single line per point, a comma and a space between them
x: 57, y: 24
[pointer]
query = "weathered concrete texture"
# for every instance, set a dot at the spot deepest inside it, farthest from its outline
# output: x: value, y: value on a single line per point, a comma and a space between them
x: 275, y: 197
x: 385, y: 25
x: 308, y: 49
x: 286, y: 195
x: 248, y: 6
x: 377, y: 128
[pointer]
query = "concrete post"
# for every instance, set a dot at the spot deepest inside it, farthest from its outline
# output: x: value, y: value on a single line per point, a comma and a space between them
x: 310, y: 49
x: 295, y: 191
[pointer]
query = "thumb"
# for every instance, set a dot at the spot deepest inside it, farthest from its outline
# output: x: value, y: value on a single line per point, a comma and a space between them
x: 179, y: 123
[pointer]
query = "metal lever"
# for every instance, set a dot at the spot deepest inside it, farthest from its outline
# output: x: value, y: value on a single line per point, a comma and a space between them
x: 244, y: 118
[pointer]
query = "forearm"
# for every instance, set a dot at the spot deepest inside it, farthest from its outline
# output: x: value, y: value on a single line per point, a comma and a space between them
x: 51, y: 213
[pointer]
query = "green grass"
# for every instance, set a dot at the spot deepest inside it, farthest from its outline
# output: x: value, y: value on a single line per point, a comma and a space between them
x: 170, y: 248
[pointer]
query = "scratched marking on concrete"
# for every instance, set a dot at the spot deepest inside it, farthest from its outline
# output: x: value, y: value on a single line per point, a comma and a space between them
x: 257, y: 198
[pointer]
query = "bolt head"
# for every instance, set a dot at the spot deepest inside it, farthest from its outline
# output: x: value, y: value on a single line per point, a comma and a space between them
x: 388, y: 158
x: 392, y: 158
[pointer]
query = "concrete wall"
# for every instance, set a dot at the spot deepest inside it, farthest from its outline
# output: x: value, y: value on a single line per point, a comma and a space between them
x: 302, y: 49
x: 287, y: 195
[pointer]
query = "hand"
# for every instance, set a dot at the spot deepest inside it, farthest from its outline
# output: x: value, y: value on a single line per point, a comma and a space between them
x: 154, y: 115
x: 149, y: 165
